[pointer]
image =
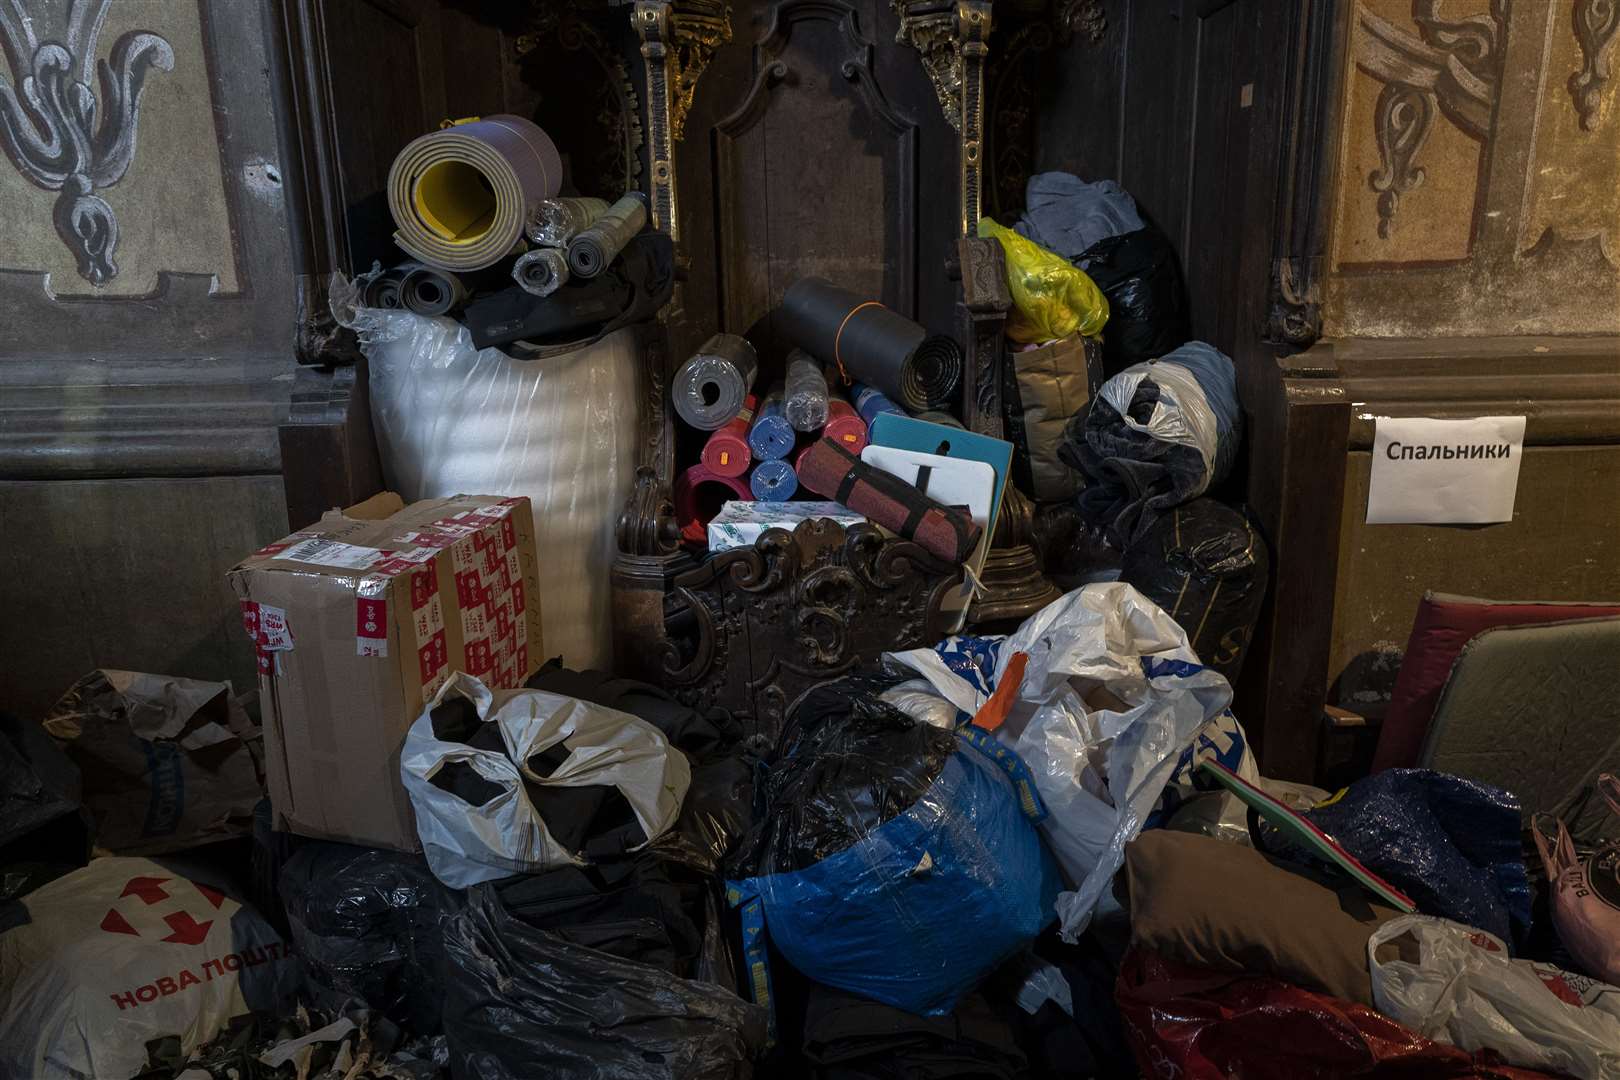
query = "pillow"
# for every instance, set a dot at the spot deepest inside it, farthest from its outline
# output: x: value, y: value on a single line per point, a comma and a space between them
x: 1444, y: 624
x: 1220, y: 905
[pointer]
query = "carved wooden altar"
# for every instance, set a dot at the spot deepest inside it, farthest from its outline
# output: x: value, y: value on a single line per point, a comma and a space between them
x: 755, y: 627
x: 869, y: 57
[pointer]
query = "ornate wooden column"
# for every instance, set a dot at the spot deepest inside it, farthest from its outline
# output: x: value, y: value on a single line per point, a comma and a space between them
x: 951, y: 40
x: 677, y: 42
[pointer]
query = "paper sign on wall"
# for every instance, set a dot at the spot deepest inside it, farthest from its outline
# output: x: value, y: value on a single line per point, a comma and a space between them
x: 1444, y: 472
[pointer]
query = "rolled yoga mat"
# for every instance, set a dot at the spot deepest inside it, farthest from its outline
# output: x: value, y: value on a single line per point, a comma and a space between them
x: 541, y: 271
x: 871, y: 404
x: 557, y: 221
x: 771, y: 437
x: 427, y: 291
x: 462, y: 196
x: 711, y: 386
x: 595, y: 247
x: 381, y: 288
x: 805, y: 395
x: 834, y: 473
x: 773, y: 481
x: 727, y: 453
x: 844, y: 425
x: 699, y: 495
x: 861, y: 340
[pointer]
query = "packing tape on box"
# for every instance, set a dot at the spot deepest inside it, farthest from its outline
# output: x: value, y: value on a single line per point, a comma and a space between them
x: 462, y: 196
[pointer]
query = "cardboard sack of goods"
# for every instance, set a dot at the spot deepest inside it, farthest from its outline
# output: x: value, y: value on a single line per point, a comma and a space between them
x: 358, y: 621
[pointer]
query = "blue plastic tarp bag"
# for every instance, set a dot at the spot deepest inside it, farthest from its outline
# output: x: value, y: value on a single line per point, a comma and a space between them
x: 1451, y: 844
x: 895, y: 860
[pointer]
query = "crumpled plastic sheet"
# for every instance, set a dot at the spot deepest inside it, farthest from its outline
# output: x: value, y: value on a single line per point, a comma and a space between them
x: 1106, y: 717
x: 1452, y: 844
x: 1457, y: 984
x: 1194, y: 1024
x: 369, y: 926
x: 521, y: 1003
x: 896, y: 860
x: 564, y: 431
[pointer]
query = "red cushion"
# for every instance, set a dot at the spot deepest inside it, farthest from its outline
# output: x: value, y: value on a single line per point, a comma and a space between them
x: 1444, y: 624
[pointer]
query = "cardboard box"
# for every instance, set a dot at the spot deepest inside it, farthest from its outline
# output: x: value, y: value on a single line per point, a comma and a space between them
x: 358, y: 621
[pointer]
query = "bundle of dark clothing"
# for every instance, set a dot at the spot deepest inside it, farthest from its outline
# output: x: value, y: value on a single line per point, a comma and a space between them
x: 1159, y: 434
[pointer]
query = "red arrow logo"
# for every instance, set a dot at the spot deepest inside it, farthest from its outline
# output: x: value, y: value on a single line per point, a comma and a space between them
x: 149, y: 889
x: 115, y: 923
x: 213, y: 896
x: 187, y: 931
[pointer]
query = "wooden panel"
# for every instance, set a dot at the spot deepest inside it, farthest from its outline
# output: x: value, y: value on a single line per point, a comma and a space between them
x: 1562, y: 544
x: 853, y: 219
x: 1160, y: 80
x: 126, y: 574
x: 1070, y: 92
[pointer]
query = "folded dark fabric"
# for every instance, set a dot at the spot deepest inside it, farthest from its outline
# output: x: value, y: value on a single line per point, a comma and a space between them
x: 1158, y: 435
x: 834, y: 473
x: 847, y: 1037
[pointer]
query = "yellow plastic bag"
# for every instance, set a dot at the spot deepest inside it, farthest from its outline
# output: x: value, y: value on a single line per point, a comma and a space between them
x: 1052, y: 298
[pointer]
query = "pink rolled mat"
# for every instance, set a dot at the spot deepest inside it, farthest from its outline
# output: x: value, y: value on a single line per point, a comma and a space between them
x: 727, y: 452
x: 844, y: 425
x: 699, y: 495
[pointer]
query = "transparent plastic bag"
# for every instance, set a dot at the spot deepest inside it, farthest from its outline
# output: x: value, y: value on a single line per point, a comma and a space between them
x: 1456, y: 984
x: 1112, y: 715
x: 481, y: 796
x: 1052, y: 298
x: 563, y: 430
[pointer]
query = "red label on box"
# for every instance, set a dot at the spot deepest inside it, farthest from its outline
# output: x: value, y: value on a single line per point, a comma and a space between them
x: 503, y: 622
x: 371, y: 617
x: 523, y: 658
x: 469, y: 591
x: 267, y: 663
x: 433, y: 656
x: 424, y: 587
x: 479, y: 658
x: 493, y: 561
x: 250, y: 619
x: 517, y: 598
x: 508, y: 535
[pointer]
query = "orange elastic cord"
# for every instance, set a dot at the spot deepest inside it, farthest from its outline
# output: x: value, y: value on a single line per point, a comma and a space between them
x: 837, y: 356
x: 994, y: 712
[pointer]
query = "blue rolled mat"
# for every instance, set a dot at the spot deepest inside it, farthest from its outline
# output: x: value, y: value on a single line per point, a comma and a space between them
x: 771, y: 437
x: 871, y: 403
x: 773, y: 481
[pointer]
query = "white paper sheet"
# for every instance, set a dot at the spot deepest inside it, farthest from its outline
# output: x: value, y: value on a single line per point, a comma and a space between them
x: 1444, y: 472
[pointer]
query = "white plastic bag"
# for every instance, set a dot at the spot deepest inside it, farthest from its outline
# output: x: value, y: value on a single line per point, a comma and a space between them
x: 1464, y: 989
x: 563, y: 430
x: 465, y: 843
x: 122, y: 952
x: 1104, y: 767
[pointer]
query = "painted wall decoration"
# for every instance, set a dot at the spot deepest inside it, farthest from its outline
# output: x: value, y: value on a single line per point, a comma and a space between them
x: 1478, y: 179
x: 112, y: 174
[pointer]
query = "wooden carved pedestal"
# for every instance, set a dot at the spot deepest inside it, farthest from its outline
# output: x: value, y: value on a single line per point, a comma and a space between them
x: 754, y: 627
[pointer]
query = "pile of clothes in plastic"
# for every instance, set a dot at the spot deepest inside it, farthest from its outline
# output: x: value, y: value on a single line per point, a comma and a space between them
x: 1042, y: 854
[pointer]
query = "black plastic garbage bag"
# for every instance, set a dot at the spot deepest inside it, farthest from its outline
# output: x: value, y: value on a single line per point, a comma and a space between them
x: 1147, y: 302
x: 522, y: 1003
x: 1451, y: 844
x: 40, y: 813
x: 369, y: 924
x: 630, y: 908
x: 1205, y: 564
x: 847, y: 763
